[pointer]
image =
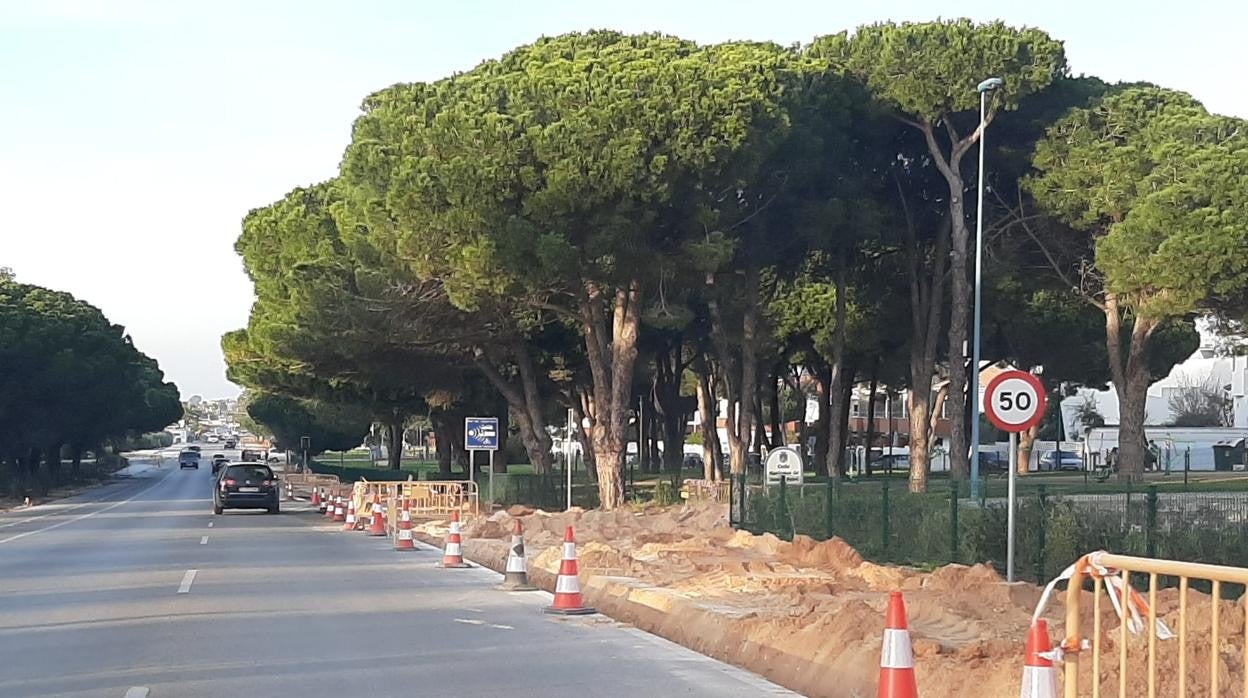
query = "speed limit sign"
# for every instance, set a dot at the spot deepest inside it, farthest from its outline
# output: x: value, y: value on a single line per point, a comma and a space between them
x: 1014, y: 401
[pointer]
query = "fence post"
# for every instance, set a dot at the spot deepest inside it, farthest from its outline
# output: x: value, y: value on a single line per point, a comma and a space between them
x: 827, y: 507
x: 1187, y: 464
x: 734, y: 520
x: 1043, y: 497
x: 885, y: 516
x: 1150, y: 526
x: 784, y: 526
x: 953, y: 520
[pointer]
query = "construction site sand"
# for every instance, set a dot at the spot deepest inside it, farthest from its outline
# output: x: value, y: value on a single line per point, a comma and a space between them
x: 808, y: 615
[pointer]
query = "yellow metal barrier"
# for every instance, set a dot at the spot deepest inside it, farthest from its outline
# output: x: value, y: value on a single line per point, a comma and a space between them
x: 427, y: 498
x: 703, y: 490
x: 1129, y: 599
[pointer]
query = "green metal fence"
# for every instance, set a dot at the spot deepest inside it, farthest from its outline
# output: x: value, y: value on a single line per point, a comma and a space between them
x: 886, y: 523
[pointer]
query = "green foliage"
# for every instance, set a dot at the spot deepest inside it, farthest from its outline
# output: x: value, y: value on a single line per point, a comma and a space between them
x: 930, y: 69
x: 330, y: 427
x: 69, y: 376
x: 1161, y: 185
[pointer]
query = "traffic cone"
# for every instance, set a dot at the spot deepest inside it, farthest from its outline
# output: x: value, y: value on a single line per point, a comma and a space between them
x: 340, y: 515
x: 349, y: 524
x: 516, y: 576
x: 1039, y: 676
x: 568, y: 599
x: 316, y: 498
x: 403, y: 537
x: 290, y: 492
x: 896, y: 656
x: 329, y: 506
x: 453, y: 556
x: 378, y: 526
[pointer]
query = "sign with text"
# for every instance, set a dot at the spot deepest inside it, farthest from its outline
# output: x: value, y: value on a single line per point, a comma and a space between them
x: 481, y: 433
x: 1014, y: 401
x: 784, y: 462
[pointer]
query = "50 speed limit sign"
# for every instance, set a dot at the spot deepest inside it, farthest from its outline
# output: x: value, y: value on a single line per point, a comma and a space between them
x: 1014, y: 401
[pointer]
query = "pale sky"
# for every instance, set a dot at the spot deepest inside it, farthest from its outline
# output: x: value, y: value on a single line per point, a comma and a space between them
x: 136, y: 134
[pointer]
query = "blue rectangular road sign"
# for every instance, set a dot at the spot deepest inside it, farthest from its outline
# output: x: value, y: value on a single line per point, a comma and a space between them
x: 481, y: 433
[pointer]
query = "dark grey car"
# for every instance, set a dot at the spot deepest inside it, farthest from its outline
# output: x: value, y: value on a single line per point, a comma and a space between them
x: 246, y: 486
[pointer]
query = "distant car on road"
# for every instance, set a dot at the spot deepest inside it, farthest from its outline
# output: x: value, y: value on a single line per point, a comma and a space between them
x: 193, y: 448
x: 218, y: 460
x: 188, y: 459
x: 1069, y: 460
x: 246, y: 486
x: 895, y: 461
x: 231, y: 443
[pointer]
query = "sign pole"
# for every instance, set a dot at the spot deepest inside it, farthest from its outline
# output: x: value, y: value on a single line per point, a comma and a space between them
x: 491, y: 480
x: 568, y: 470
x: 1009, y: 540
x: 472, y: 465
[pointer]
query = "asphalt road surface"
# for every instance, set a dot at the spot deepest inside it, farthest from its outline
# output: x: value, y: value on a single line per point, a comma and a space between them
x: 136, y: 589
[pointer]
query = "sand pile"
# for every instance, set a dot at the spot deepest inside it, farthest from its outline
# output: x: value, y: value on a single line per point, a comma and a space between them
x: 808, y: 614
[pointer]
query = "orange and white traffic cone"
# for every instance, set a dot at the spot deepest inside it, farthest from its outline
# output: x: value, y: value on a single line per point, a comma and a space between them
x: 316, y: 499
x: 329, y: 505
x: 516, y: 576
x: 453, y: 555
x: 1039, y: 676
x: 403, y: 536
x: 378, y: 525
x: 340, y: 514
x: 896, y: 656
x: 568, y: 599
x: 349, y: 524
x: 290, y: 492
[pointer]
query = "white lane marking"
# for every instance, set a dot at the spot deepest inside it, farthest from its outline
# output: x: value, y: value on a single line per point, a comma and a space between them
x: 136, y: 692
x: 501, y: 627
x: 86, y: 515
x: 470, y: 621
x: 187, y: 580
x: 209, y: 524
x: 203, y: 541
x: 50, y: 513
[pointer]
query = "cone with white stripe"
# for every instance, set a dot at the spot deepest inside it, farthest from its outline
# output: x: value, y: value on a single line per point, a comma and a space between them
x: 378, y: 525
x: 340, y: 512
x: 568, y: 598
x: 316, y: 498
x: 1039, y: 675
x: 516, y: 576
x: 290, y: 492
x: 403, y: 536
x: 896, y: 656
x: 328, y: 500
x: 349, y: 524
x: 453, y: 556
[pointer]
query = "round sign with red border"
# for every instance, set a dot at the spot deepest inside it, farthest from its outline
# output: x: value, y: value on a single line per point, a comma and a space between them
x: 1014, y: 401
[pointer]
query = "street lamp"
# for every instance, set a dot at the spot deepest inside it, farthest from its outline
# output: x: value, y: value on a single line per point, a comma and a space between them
x: 983, y: 88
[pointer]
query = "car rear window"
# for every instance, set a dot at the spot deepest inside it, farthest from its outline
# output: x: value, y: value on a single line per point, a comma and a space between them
x: 249, y: 472
x: 189, y: 454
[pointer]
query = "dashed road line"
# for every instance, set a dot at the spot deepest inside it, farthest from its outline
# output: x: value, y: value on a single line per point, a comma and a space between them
x: 187, y: 580
x: 209, y: 524
x: 203, y: 541
x: 137, y: 692
x: 87, y: 515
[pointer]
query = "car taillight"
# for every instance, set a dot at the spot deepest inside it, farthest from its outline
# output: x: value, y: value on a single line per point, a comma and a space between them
x: 227, y: 482
x: 268, y: 483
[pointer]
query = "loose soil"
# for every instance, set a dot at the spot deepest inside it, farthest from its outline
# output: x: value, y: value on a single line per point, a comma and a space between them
x: 808, y: 615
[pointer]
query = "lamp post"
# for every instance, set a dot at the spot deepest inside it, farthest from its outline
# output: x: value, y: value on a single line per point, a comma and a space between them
x: 983, y: 88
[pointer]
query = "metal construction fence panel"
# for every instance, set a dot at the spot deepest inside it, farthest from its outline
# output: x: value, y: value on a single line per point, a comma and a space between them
x: 887, y: 523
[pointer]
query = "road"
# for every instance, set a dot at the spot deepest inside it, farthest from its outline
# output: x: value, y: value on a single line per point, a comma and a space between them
x: 136, y: 589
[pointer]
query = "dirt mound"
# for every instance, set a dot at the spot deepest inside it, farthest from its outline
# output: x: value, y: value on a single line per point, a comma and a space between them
x: 809, y: 614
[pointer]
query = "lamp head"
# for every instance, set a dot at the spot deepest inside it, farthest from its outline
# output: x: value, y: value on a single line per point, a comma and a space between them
x: 989, y: 85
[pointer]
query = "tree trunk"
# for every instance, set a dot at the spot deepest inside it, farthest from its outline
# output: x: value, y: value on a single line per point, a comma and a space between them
x: 824, y: 419
x: 442, y: 442
x: 847, y: 394
x: 776, y: 421
x: 611, y: 361
x: 1130, y: 376
x: 959, y: 301
x: 523, y: 399
x: 836, y: 437
x: 711, y: 454
x: 760, y: 440
x: 1026, y: 441
x: 874, y: 386
x: 800, y: 397
x: 394, y: 442
x: 739, y: 385
x: 75, y: 468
